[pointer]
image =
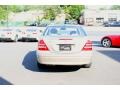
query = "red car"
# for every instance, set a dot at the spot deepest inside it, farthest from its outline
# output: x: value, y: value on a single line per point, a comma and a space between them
x: 110, y: 40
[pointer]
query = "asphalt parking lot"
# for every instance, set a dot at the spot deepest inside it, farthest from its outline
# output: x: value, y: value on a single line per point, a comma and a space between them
x: 18, y: 64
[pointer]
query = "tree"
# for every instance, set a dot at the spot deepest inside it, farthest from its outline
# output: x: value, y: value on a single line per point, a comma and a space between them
x: 73, y: 10
x: 15, y: 8
x: 115, y: 7
x: 3, y: 12
x: 51, y: 12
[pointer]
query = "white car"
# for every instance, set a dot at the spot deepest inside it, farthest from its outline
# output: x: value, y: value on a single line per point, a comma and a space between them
x: 28, y: 34
x: 64, y: 45
x: 8, y: 35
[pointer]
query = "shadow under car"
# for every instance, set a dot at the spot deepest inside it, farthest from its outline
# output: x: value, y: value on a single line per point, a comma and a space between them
x: 30, y: 63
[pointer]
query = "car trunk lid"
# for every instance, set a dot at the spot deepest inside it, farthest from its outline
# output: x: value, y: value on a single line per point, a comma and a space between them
x: 65, y: 44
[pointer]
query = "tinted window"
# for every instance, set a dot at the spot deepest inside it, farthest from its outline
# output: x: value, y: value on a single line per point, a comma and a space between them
x: 65, y: 31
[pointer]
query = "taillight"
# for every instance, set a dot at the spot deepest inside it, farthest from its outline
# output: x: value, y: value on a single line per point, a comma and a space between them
x: 87, y: 46
x: 42, y: 46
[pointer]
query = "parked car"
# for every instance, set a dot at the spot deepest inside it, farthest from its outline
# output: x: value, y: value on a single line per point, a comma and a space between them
x: 44, y: 23
x: 112, y: 24
x: 28, y: 34
x: 30, y: 23
x: 8, y: 35
x: 64, y: 45
x: 74, y: 22
x: 110, y: 40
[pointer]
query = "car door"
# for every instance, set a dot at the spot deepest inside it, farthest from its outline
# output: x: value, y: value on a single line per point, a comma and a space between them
x: 117, y: 40
x: 119, y: 24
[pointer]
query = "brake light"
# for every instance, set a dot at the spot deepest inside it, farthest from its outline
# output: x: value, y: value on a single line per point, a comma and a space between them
x: 87, y: 46
x: 42, y: 46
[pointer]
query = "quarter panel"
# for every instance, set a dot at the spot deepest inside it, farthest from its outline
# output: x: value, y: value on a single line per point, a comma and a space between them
x: 115, y: 40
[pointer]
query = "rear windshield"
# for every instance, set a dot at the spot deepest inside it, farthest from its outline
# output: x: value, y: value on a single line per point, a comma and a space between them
x: 64, y: 31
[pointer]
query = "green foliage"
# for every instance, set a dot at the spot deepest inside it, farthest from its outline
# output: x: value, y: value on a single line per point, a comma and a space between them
x: 74, y: 11
x: 15, y: 8
x: 71, y: 11
x: 3, y: 12
x: 6, y: 9
x: 51, y: 12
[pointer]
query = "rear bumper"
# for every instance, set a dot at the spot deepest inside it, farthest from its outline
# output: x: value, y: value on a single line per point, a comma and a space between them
x: 6, y: 38
x: 28, y: 38
x: 64, y: 60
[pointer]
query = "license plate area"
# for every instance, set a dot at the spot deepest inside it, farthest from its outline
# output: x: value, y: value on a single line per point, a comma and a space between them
x: 65, y: 47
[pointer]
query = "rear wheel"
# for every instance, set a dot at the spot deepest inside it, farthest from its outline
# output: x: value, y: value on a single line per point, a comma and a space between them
x: 23, y: 40
x: 87, y: 65
x: 106, y: 42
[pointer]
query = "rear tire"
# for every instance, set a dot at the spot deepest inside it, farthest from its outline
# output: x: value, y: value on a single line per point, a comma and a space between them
x: 87, y: 65
x: 27, y: 40
x: 23, y: 40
